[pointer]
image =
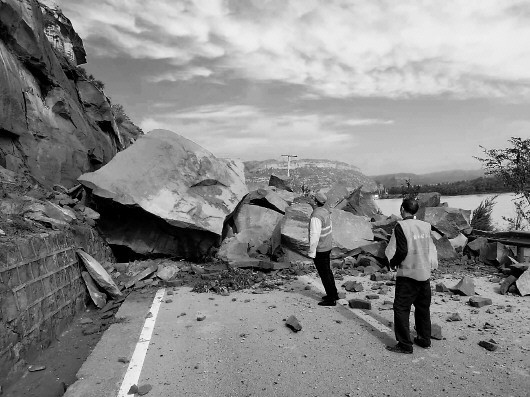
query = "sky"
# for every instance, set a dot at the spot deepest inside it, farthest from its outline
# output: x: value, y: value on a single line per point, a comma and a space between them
x: 388, y: 86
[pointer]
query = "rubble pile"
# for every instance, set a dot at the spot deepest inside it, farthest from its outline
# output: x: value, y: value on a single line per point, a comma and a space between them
x: 26, y: 207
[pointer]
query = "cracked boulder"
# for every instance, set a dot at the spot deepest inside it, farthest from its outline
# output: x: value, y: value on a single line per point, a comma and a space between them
x: 360, y: 203
x: 166, y: 195
x: 450, y: 221
x: 254, y: 230
x: 350, y: 232
x: 336, y: 195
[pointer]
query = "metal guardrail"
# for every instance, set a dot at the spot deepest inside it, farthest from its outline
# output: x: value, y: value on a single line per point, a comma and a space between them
x: 516, y: 238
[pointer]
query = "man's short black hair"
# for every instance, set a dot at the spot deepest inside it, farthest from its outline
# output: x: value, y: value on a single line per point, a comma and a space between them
x: 410, y: 205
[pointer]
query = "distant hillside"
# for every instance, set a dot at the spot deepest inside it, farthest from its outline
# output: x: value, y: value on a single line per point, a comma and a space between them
x: 394, y: 180
x: 313, y: 173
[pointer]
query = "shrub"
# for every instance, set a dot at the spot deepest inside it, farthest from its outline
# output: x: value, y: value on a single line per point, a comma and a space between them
x: 481, y: 217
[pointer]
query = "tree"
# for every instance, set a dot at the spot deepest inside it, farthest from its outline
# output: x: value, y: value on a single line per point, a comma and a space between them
x: 119, y: 113
x: 98, y: 83
x: 481, y: 217
x: 512, y: 166
x: 409, y: 191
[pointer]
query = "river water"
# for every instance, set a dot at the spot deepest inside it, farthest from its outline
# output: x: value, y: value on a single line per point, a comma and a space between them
x: 503, y: 207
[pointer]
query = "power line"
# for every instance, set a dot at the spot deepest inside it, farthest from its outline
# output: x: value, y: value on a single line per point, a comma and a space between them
x: 289, y: 157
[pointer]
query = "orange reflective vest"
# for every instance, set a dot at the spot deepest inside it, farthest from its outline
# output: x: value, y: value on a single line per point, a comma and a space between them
x: 325, y: 242
x: 421, y: 256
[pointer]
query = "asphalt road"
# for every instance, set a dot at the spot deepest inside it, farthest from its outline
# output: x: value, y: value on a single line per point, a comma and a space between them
x: 243, y: 348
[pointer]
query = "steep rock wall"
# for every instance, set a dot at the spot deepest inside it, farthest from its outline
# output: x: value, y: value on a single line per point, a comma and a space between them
x: 54, y: 123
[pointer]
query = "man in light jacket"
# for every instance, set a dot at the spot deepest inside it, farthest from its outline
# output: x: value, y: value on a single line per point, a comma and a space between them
x: 412, y: 252
x: 320, y: 244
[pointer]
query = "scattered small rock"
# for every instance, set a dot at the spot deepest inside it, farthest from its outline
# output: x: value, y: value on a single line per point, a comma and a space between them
x: 133, y: 389
x: 93, y: 329
x: 466, y: 286
x: 488, y: 326
x: 377, y: 277
x: 144, y: 389
x: 360, y: 304
x: 372, y: 296
x: 353, y: 286
x: 200, y: 317
x: 436, y: 331
x: 488, y: 345
x: 506, y: 284
x: 384, y: 290
x: 454, y: 317
x: 123, y: 360
x: 293, y: 323
x: 169, y: 300
x: 441, y: 287
x: 479, y: 301
x: 35, y: 368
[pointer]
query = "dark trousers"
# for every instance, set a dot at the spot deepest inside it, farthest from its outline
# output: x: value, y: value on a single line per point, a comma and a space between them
x: 322, y: 264
x: 412, y: 292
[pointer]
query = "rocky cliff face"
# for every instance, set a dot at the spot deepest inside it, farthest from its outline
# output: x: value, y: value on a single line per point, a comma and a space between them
x: 54, y: 123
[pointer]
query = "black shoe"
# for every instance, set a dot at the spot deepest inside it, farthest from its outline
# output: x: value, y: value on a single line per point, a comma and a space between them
x: 399, y: 349
x: 327, y: 303
x: 422, y: 342
x: 326, y: 298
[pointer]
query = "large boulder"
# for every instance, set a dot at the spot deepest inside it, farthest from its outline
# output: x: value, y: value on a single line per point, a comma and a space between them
x: 280, y: 182
x: 450, y: 221
x: 428, y: 199
x: 267, y: 198
x: 294, y: 228
x: 177, y: 193
x: 360, y: 203
x: 388, y: 224
x: 496, y: 254
x: 523, y: 283
x: 444, y: 247
x: 336, y: 194
x: 262, y: 222
x: 350, y: 232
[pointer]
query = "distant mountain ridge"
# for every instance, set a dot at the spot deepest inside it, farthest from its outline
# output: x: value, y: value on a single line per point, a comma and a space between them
x: 313, y: 173
x: 252, y: 166
x: 398, y: 179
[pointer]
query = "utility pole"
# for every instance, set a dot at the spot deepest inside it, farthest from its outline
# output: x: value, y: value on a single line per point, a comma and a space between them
x: 289, y: 157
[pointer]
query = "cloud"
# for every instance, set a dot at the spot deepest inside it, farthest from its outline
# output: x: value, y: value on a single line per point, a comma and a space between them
x: 365, y: 122
x: 248, y: 132
x: 335, y: 48
x: 181, y: 75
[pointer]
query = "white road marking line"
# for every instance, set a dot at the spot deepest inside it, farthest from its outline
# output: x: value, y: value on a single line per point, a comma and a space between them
x: 137, y: 360
x: 358, y: 312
